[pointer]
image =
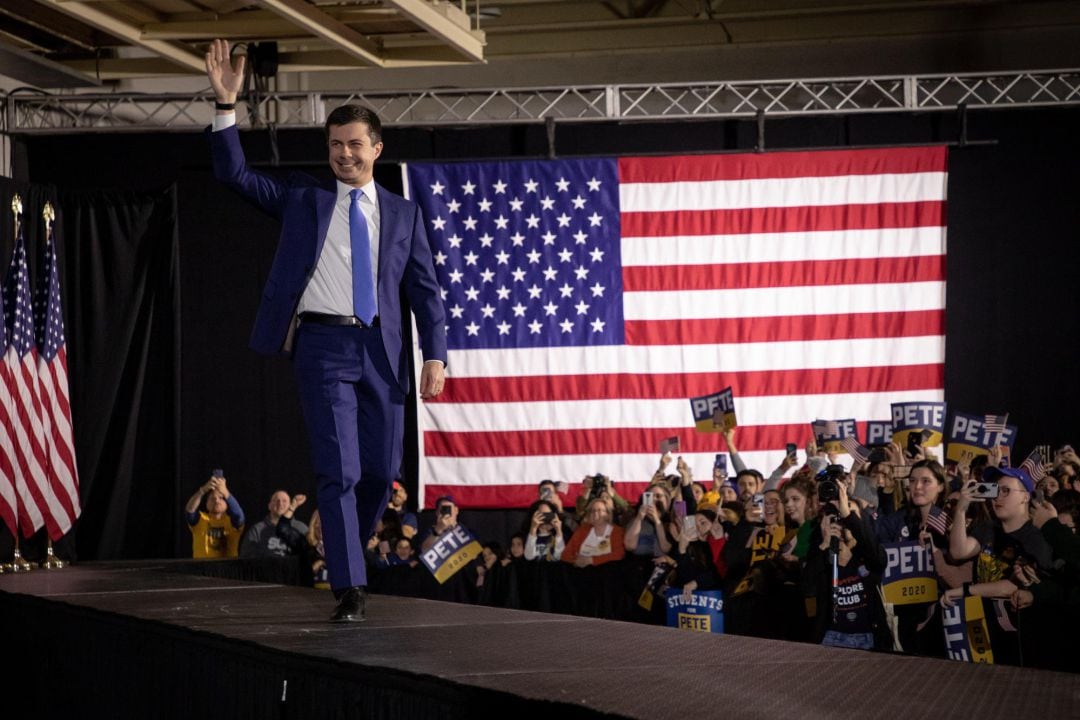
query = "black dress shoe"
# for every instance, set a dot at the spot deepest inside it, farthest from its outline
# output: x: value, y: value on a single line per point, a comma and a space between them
x: 350, y: 607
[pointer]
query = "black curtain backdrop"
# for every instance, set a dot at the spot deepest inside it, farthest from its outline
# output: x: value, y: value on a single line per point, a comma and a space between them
x: 1011, y: 297
x: 117, y: 251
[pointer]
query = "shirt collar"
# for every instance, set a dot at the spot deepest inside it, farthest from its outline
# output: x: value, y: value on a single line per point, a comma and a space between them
x: 369, y: 190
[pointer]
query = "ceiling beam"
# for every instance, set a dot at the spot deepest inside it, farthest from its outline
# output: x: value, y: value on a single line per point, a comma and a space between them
x: 92, y: 15
x: 333, y: 31
x: 444, y: 21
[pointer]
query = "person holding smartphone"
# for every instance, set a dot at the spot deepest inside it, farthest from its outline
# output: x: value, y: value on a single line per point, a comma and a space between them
x: 446, y: 519
x: 216, y: 528
x: 544, y: 540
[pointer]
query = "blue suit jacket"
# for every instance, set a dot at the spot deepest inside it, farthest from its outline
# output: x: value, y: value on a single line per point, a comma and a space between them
x: 304, y: 207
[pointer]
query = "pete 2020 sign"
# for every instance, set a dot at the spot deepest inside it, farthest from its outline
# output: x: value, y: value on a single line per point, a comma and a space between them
x: 450, y: 553
x: 909, y: 574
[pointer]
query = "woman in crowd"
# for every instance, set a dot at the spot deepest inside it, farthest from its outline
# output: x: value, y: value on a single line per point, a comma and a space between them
x: 647, y: 532
x: 757, y: 580
x: 799, y: 514
x: 890, y: 492
x: 1002, y: 549
x: 922, y: 521
x: 597, y: 540
x: 544, y: 537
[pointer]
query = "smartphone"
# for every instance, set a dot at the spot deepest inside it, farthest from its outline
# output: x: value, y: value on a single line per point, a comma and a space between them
x: 759, y: 503
x: 792, y: 449
x: 914, y: 442
x: 646, y: 498
x: 545, y: 494
x: 678, y: 508
x: 547, y: 517
x: 689, y: 528
x: 988, y: 490
x: 446, y: 510
x: 720, y: 463
x: 1040, y: 497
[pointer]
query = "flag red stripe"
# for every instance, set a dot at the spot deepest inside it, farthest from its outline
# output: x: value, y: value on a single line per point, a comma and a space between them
x: 478, y: 497
x: 607, y: 441
x: 739, y: 276
x: 62, y: 445
x: 707, y: 331
x: 745, y: 221
x: 37, y: 459
x: 534, y: 388
x: 746, y: 166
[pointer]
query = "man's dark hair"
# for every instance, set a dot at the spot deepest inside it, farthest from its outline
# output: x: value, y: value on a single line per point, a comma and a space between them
x: 756, y: 474
x: 345, y: 114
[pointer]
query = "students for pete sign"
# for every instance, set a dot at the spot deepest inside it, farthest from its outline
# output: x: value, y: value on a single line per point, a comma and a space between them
x: 878, y: 433
x: 704, y: 612
x: 909, y: 574
x: 450, y: 553
x: 708, y: 409
x: 967, y: 637
x: 909, y: 417
x: 968, y: 438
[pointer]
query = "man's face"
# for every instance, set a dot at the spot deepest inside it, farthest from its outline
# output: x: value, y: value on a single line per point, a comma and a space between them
x: 399, y: 496
x: 352, y: 154
x: 1012, y: 499
x: 215, y: 503
x: 403, y: 549
x: 748, y: 485
x: 279, y: 503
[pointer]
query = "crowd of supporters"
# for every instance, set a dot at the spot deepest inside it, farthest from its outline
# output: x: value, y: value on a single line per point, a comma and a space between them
x: 798, y: 554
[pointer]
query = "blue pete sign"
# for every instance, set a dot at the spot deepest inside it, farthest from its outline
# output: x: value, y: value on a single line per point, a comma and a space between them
x: 703, y: 613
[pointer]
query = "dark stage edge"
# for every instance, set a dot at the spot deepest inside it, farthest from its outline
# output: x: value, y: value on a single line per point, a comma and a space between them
x: 135, y: 640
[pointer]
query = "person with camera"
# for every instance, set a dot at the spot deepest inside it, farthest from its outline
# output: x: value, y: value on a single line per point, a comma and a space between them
x: 753, y: 587
x: 598, y: 486
x: 544, y: 540
x: 597, y: 540
x: 923, y: 521
x: 1007, y: 548
x: 647, y: 532
x: 446, y: 519
x: 217, y: 528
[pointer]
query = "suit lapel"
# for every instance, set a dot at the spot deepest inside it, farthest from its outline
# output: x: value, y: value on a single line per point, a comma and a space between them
x: 388, y: 219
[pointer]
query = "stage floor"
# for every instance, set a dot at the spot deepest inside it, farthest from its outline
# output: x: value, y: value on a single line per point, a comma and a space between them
x: 414, y: 656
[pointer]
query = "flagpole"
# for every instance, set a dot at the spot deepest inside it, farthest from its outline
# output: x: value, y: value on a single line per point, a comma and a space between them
x: 51, y: 562
x: 17, y: 564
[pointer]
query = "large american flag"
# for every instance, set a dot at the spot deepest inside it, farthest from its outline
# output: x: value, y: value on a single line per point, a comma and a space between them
x: 588, y: 299
x: 53, y: 385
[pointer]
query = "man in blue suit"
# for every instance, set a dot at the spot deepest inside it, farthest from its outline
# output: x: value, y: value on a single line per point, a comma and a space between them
x: 345, y: 254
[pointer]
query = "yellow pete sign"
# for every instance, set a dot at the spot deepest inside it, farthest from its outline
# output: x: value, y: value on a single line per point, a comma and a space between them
x: 967, y: 637
x: 450, y: 553
x: 909, y: 574
x: 714, y: 413
x: 969, y: 438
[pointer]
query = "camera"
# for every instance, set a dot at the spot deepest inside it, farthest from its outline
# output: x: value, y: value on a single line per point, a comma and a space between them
x: 547, y: 517
x: 597, y: 486
x: 829, y: 479
x: 446, y: 510
x: 988, y: 490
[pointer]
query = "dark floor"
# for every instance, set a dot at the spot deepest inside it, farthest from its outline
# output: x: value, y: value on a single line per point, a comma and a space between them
x: 420, y: 657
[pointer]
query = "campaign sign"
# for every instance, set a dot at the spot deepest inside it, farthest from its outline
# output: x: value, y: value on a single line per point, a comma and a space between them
x: 967, y: 638
x: 909, y: 417
x: 968, y: 438
x: 704, y: 612
x: 909, y: 574
x: 450, y: 553
x: 714, y: 413
x: 878, y: 433
x: 829, y: 433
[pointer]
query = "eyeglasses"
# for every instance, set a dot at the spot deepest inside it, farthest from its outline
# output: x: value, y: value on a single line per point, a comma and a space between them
x: 1005, y: 490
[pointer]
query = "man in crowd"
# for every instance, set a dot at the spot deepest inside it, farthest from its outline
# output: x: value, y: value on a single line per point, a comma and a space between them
x: 262, y: 538
x: 216, y: 529
x: 398, y: 497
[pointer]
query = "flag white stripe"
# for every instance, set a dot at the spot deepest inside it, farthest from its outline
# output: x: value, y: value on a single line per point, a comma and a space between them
x: 33, y: 444
x: 718, y: 358
x: 59, y: 428
x: 782, y: 192
x: 788, y: 247
x: 779, y: 302
x: 631, y: 467
x: 650, y: 413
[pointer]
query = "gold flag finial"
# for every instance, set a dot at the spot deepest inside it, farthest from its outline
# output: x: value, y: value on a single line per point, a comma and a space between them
x: 48, y: 213
x: 16, y: 205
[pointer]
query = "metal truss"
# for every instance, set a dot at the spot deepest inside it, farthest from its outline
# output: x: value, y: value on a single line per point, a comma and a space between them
x: 51, y: 114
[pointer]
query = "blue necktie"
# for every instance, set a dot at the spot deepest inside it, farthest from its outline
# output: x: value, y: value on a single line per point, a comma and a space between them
x: 362, y: 278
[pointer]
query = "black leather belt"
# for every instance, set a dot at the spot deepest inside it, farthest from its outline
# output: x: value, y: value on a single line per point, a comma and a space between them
x: 338, y: 320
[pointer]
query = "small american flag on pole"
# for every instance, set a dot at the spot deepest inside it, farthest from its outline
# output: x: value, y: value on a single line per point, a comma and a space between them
x: 1034, y: 467
x: 937, y: 520
x: 855, y: 449
x: 996, y: 423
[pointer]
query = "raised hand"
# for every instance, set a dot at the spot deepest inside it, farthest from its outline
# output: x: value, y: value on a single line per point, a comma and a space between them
x: 226, y: 75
